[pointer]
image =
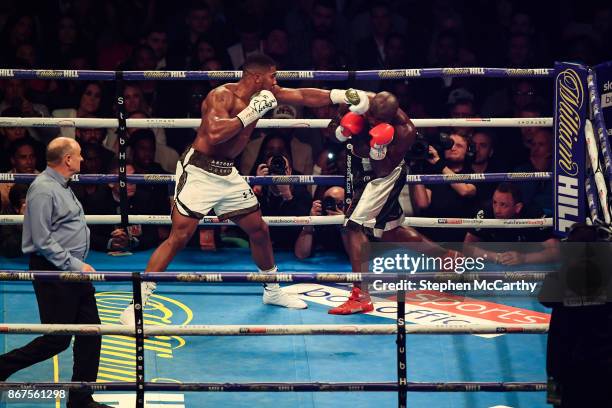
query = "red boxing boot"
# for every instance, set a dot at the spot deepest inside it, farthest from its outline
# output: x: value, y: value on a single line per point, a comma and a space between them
x: 356, y: 303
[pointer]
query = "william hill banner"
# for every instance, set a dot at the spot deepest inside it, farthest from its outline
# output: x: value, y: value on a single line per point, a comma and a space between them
x: 570, y: 112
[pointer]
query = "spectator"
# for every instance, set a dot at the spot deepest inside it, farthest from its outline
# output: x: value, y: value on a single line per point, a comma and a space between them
x: 250, y: 42
x: 27, y: 57
x: 16, y: 96
x: 515, y: 142
x: 370, y: 52
x: 520, y: 52
x: 461, y: 106
x: 142, y: 143
x: 157, y: 40
x: 166, y: 156
x: 89, y: 106
x: 199, y: 23
x: 447, y: 200
x: 19, y: 29
x: 65, y: 43
x: 205, y: 50
x: 10, y: 235
x: 326, y: 237
x: 395, y: 51
x: 94, y: 136
x: 92, y: 164
x: 9, y: 135
x: 115, y: 238
x: 507, y: 203
x: 323, y: 23
x: 23, y: 161
x: 509, y: 101
x: 324, y: 55
x: 539, y: 193
x: 483, y: 162
x: 276, y: 46
x: 134, y: 99
x: 143, y: 59
x: 281, y: 200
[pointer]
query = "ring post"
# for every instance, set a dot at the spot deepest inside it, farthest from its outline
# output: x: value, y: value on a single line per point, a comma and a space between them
x: 139, y: 334
x: 569, y: 170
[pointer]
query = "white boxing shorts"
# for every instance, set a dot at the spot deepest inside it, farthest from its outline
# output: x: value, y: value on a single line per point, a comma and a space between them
x: 204, y: 184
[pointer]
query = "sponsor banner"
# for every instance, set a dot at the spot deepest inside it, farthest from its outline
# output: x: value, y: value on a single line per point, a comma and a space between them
x: 569, y: 173
x: 604, y: 88
x: 429, y: 307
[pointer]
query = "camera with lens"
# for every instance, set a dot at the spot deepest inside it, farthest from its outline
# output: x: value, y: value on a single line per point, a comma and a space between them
x: 277, y: 166
x: 328, y: 204
x: 418, y: 154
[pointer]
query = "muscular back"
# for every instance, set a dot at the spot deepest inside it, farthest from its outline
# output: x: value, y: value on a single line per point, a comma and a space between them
x: 222, y: 104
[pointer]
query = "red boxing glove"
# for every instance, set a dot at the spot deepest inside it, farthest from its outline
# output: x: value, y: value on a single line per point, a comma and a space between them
x: 382, y: 135
x: 350, y: 124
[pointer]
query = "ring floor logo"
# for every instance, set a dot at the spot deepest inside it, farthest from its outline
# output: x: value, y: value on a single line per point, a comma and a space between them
x: 118, y: 356
x: 430, y: 307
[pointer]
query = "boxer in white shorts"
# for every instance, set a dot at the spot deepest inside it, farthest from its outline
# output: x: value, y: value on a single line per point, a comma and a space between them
x: 206, y: 178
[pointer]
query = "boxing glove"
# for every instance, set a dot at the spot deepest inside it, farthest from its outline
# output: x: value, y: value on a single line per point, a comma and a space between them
x: 350, y: 124
x: 357, y: 100
x: 381, y: 135
x: 260, y: 103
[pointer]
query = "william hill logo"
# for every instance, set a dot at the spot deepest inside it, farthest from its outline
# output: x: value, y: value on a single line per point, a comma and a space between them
x: 569, y: 99
x: 118, y: 353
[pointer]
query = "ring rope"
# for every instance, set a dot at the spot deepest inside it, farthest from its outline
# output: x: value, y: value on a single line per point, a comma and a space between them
x: 287, y: 386
x: 179, y: 123
x: 252, y: 277
x: 281, y: 75
x: 292, y: 221
x: 268, y: 330
x: 291, y: 179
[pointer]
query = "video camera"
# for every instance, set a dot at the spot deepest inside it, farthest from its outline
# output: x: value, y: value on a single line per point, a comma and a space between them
x: 420, y: 148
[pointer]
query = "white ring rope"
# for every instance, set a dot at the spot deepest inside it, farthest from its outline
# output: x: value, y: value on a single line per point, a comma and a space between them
x: 262, y: 123
x: 600, y: 182
x: 288, y: 221
x: 268, y: 330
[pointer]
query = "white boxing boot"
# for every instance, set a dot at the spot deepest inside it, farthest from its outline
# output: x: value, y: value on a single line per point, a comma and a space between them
x: 274, y: 295
x: 127, y: 316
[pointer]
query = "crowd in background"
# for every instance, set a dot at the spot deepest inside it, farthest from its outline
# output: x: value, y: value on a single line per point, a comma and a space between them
x: 149, y: 35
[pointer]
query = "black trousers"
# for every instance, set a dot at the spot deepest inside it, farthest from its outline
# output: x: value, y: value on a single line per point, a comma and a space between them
x: 60, y: 303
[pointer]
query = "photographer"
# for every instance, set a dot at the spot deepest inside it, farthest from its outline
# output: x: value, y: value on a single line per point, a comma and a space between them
x: 325, y: 237
x: 330, y: 162
x: 281, y: 199
x: 446, y: 200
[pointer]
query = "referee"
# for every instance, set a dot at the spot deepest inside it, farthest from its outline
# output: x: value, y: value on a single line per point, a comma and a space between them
x: 56, y: 237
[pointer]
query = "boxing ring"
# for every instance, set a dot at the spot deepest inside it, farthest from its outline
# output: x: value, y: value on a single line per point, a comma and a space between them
x: 311, y: 358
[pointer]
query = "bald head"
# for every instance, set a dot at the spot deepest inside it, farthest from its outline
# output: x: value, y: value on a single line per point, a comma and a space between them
x: 336, y: 192
x: 384, y: 106
x: 60, y: 147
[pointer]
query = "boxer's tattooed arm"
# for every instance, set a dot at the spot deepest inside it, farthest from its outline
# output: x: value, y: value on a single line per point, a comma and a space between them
x: 217, y: 124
